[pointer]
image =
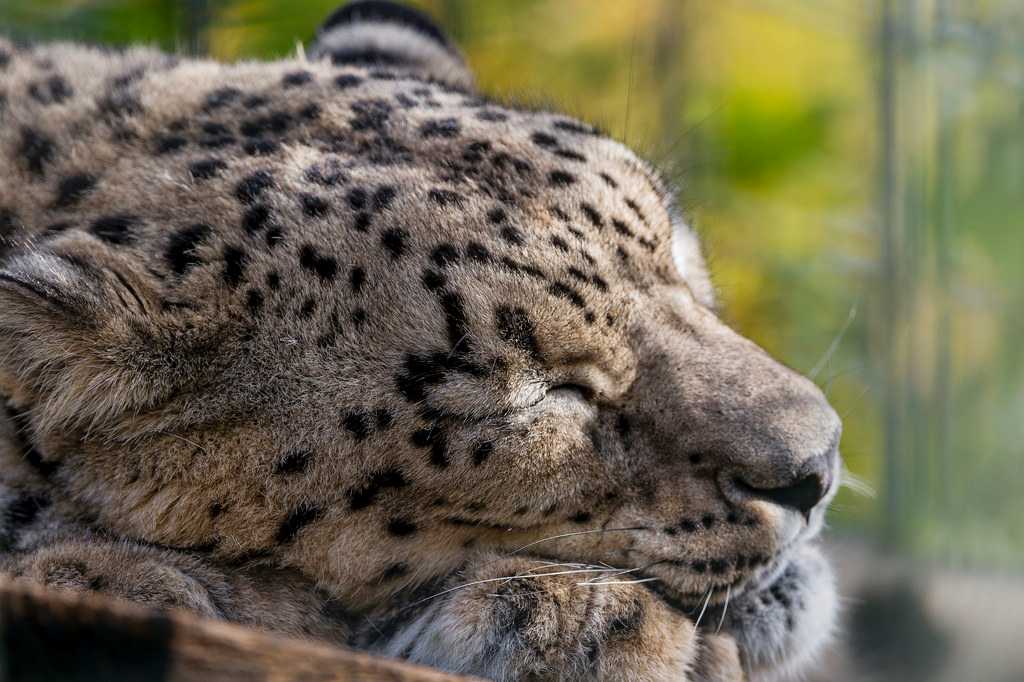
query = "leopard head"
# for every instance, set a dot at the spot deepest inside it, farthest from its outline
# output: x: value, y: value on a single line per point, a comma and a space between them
x: 414, y: 325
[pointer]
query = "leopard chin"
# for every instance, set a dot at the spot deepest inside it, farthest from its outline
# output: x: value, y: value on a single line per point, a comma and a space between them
x: 781, y: 623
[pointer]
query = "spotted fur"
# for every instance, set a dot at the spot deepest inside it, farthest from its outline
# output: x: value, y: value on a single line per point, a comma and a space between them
x: 340, y: 348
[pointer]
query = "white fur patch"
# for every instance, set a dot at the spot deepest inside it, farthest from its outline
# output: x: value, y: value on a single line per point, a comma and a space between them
x: 686, y: 252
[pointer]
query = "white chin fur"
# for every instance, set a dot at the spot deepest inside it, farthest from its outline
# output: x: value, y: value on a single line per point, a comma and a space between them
x: 782, y: 627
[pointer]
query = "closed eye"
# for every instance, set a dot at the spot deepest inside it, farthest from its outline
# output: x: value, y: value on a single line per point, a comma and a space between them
x: 571, y: 391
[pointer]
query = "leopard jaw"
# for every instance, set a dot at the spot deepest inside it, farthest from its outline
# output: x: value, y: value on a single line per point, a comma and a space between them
x: 783, y: 623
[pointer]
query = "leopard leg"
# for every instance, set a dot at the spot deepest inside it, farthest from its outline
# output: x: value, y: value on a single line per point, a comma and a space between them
x: 519, y: 619
x: 265, y: 597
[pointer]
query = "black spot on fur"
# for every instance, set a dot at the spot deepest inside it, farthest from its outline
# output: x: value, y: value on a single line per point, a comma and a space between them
x: 560, y: 178
x: 296, y: 520
x: 181, y: 250
x: 491, y: 115
x: 574, y: 127
x: 443, y: 127
x: 444, y: 197
x: 581, y: 517
x: 564, y: 291
x: 622, y: 228
x: 165, y: 144
x: 523, y: 268
x: 496, y: 215
x: 356, y: 279
x: 458, y: 325
x: 234, y: 265
x: 570, y: 154
x: 254, y: 301
x: 544, y: 140
x: 293, y: 462
x: 394, y: 571
x: 383, y: 418
x: 435, y: 439
x: 394, y: 241
x: 718, y: 566
x: 325, y: 267
x: 708, y: 520
x: 478, y: 252
x: 444, y: 255
x: 358, y: 424
x: 360, y: 498
x: 54, y: 90
x: 481, y: 451
x: 255, y: 218
x: 73, y: 188
x: 383, y: 197
x: 370, y: 114
x: 115, y: 229
x: 623, y: 426
x: 296, y: 78
x: 314, y: 206
x: 274, y: 123
x: 420, y: 371
x: 688, y: 526
x: 206, y: 168
x: 592, y: 215
x: 260, y: 147
x: 252, y: 186
x: 357, y: 198
x: 347, y: 80
x: 433, y: 280
x: 515, y: 327
x: 401, y: 527
x: 512, y: 235
x: 220, y: 97
x: 362, y: 223
x: 37, y: 149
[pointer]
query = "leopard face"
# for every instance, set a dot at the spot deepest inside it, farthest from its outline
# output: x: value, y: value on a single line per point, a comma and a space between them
x: 366, y: 324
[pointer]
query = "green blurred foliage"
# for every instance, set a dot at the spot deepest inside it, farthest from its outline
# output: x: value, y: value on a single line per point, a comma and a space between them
x: 773, y: 120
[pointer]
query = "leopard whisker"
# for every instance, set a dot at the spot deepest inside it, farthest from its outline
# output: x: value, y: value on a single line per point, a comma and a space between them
x: 725, y: 609
x: 707, y: 600
x: 184, y: 440
x: 588, y: 583
x: 578, y: 532
x: 834, y: 346
x: 855, y: 484
x: 507, y: 578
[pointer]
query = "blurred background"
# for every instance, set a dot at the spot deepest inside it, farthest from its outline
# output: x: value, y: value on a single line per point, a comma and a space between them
x: 856, y: 169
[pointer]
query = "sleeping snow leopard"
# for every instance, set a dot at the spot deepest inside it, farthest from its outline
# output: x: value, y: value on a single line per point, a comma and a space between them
x: 337, y: 347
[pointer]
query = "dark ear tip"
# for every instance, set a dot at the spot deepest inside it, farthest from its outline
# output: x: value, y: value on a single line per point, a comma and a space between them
x: 387, y: 12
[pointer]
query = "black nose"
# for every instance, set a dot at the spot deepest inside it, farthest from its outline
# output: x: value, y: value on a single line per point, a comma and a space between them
x: 802, y: 494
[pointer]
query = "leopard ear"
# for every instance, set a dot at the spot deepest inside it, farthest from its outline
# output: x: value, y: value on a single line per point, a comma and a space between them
x: 389, y: 35
x: 77, y: 338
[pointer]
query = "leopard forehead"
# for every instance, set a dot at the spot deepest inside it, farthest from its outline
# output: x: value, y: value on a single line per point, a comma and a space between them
x: 328, y: 208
